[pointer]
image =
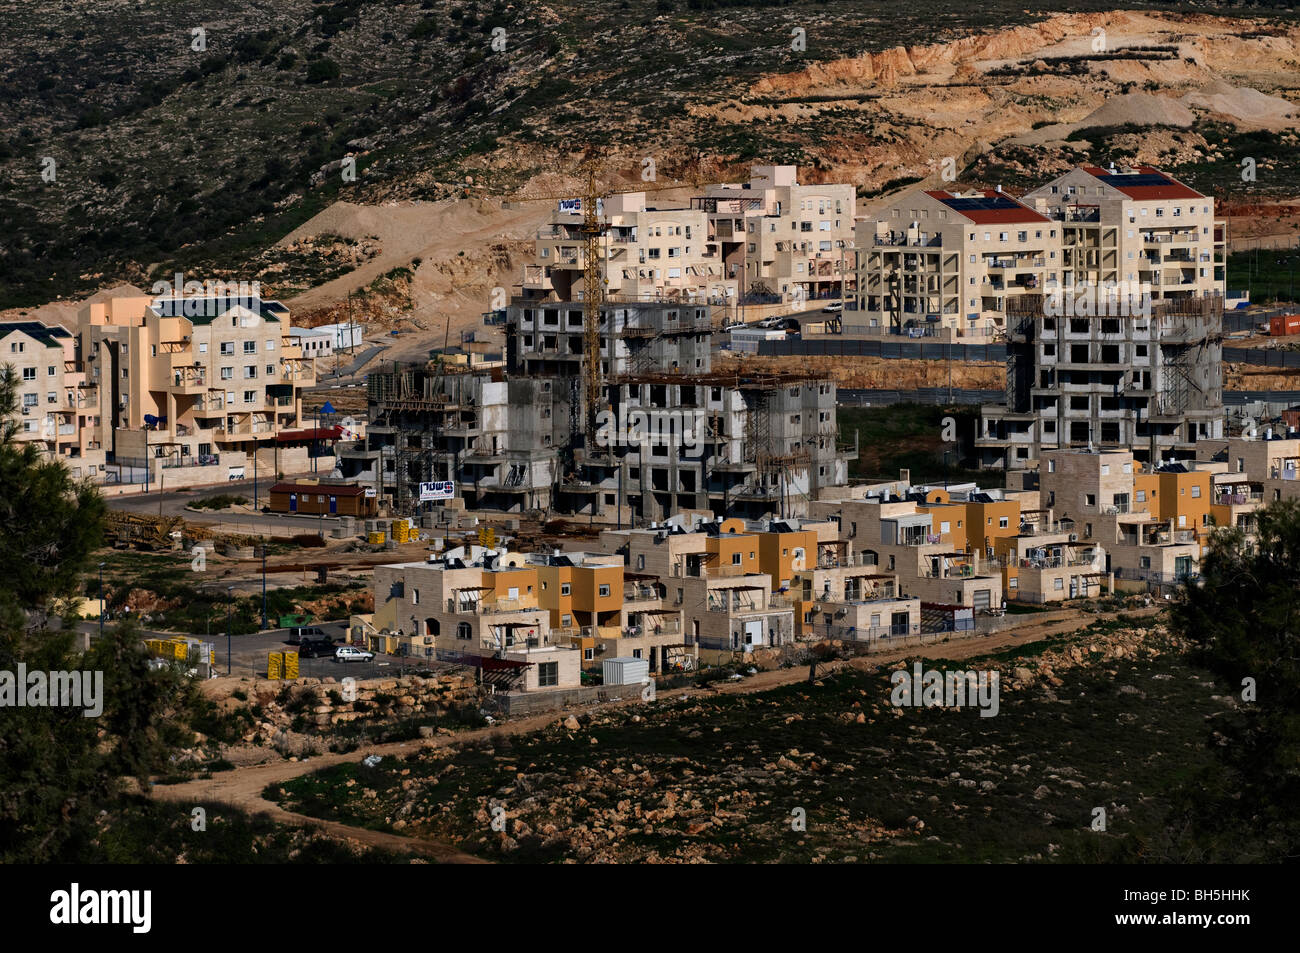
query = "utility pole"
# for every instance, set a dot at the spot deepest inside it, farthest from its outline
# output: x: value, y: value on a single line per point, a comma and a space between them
x: 254, y: 477
x: 101, y: 600
x: 230, y: 598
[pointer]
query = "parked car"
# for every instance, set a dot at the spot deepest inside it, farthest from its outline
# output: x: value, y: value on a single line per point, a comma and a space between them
x: 306, y: 633
x: 316, y: 648
x: 346, y: 653
x: 833, y: 308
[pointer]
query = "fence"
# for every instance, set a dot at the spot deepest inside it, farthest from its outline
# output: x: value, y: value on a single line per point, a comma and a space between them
x: 912, y: 350
x: 958, y: 395
x: 923, y: 350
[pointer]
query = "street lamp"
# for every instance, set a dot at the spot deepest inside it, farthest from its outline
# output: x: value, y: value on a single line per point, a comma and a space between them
x: 101, y: 600
x: 230, y: 599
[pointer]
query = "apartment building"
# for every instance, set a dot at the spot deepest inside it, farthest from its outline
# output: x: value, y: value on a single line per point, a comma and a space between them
x: 673, y: 434
x: 647, y: 254
x: 779, y: 236
x: 1257, y: 470
x: 608, y: 613
x: 1135, y: 226
x: 900, y: 536
x: 711, y: 571
x: 178, y: 381
x: 949, y: 261
x: 1148, y: 526
x: 55, y: 407
x: 479, y: 608
x: 1150, y: 380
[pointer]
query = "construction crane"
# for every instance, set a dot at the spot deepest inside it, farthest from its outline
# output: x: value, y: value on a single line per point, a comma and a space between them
x: 591, y: 231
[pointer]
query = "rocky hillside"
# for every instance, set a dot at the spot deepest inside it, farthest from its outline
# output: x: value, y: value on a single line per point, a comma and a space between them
x: 1112, y: 716
x: 144, y: 135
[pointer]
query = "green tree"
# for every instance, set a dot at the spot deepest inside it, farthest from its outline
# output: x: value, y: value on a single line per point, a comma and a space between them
x: 1243, y: 616
x: 58, y: 768
x: 49, y: 523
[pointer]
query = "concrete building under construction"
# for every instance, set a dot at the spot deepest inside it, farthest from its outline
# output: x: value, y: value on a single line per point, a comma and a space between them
x: 1109, y: 375
x: 673, y: 435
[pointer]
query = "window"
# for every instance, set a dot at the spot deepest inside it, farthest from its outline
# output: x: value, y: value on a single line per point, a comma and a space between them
x: 564, y: 588
x: 203, y: 347
x: 270, y: 344
x: 250, y: 347
x: 1058, y: 583
x: 735, y: 559
x: 1196, y: 492
x: 227, y: 373
x: 463, y: 631
x: 415, y: 597
x: 548, y: 674
x: 1002, y: 522
x: 588, y: 655
x: 49, y: 371
x: 227, y: 347
x: 250, y: 371
x: 29, y: 373
x: 250, y: 396
x: 604, y: 589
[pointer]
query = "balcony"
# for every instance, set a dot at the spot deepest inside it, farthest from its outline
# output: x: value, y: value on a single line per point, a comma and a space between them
x: 189, y: 380
x: 665, y: 626
x: 930, y: 539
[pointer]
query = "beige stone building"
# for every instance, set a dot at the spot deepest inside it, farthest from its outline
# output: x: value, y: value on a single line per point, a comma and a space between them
x: 480, y: 608
x: 792, y: 239
x: 649, y: 253
x: 55, y: 408
x: 1135, y: 226
x: 178, y: 382
x: 937, y: 261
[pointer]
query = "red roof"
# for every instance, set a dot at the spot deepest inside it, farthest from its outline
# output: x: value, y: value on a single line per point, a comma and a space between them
x: 1168, y: 189
x: 319, y: 489
x: 315, y: 433
x: 1010, y: 212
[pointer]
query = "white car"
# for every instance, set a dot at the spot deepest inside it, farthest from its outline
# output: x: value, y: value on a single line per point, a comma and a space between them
x: 346, y: 653
x: 833, y: 308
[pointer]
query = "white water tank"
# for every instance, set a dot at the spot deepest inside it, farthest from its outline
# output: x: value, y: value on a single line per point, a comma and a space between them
x: 625, y: 671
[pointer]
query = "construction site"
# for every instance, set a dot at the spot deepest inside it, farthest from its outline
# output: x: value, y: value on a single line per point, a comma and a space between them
x: 645, y: 430
x: 1151, y: 382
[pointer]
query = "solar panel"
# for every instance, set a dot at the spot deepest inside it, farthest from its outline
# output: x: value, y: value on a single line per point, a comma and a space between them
x: 1135, y: 179
x: 982, y: 204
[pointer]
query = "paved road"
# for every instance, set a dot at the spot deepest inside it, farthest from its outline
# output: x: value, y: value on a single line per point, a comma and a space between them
x: 173, y: 503
x: 248, y: 652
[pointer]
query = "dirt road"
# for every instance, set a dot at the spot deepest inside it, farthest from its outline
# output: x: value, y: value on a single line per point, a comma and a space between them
x: 243, y: 787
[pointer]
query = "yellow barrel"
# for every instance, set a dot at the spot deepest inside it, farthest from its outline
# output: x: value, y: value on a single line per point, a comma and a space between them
x: 275, y: 665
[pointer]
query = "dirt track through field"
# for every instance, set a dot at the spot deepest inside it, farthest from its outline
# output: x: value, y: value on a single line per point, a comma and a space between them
x: 242, y: 787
